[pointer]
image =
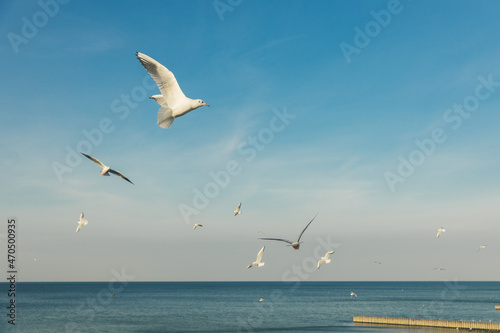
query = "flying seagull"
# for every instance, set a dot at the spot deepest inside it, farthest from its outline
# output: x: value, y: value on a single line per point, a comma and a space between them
x: 106, y: 170
x: 378, y: 262
x: 440, y: 231
x: 480, y: 247
x: 439, y: 269
x: 197, y: 225
x: 172, y: 100
x: 353, y: 294
x: 81, y: 223
x: 296, y: 244
x: 325, y: 259
x: 237, y: 211
x: 259, y: 258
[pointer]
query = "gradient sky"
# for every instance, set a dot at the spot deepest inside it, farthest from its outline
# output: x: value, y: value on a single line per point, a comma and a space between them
x: 356, y: 118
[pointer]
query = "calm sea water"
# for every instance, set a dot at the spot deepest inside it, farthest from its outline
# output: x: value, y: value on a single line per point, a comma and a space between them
x: 235, y: 306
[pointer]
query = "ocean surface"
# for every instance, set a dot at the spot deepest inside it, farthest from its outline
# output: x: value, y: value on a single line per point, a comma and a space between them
x: 236, y: 307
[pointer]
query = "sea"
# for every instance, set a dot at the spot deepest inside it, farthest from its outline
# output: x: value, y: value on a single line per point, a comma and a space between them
x: 155, y: 307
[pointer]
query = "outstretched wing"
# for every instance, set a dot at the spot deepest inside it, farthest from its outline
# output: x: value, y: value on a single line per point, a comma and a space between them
x: 119, y: 174
x: 278, y: 239
x: 298, y: 240
x: 164, y: 78
x: 95, y: 160
x: 259, y: 255
x: 328, y: 254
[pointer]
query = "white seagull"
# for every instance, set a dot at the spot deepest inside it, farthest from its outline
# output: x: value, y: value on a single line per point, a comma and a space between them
x: 439, y: 269
x: 378, y: 262
x: 259, y: 258
x: 440, y: 231
x: 325, y: 259
x: 197, y: 225
x: 480, y: 247
x: 81, y: 223
x: 106, y: 170
x: 237, y: 211
x: 172, y: 100
x: 353, y: 294
x: 295, y: 244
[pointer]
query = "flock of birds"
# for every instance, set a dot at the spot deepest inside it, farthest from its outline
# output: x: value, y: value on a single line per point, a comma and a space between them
x: 173, y: 104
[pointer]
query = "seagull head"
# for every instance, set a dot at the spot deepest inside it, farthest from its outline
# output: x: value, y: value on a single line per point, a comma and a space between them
x: 202, y: 103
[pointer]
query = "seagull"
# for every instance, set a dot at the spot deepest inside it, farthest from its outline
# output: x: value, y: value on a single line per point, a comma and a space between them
x: 440, y: 231
x: 237, y: 211
x: 260, y: 300
x: 81, y: 223
x: 325, y: 259
x: 106, y: 170
x: 353, y: 294
x: 172, y: 100
x: 480, y: 247
x: 439, y: 269
x: 296, y: 244
x: 259, y: 258
x: 378, y: 262
x: 197, y: 225
x: 260, y: 233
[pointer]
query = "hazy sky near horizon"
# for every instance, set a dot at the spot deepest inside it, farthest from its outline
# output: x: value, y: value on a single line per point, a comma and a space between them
x: 380, y: 116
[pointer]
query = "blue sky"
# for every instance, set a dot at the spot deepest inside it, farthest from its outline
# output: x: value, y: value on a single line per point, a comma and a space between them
x: 354, y: 123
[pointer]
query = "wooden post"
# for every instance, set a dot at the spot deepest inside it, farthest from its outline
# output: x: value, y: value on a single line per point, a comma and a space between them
x: 495, y: 327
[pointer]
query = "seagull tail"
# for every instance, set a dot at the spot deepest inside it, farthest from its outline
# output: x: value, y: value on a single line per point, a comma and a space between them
x: 328, y: 261
x: 261, y: 264
x: 165, y: 117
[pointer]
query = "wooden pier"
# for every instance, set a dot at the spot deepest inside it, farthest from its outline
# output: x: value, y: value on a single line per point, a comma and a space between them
x: 387, y: 321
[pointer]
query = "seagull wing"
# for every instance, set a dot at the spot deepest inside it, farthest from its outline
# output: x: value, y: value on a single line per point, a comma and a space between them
x: 164, y: 78
x: 306, y: 227
x: 119, y: 174
x: 328, y: 254
x: 259, y: 255
x: 95, y: 160
x: 278, y: 239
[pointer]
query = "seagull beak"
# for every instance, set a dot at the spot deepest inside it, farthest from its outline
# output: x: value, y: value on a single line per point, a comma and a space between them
x: 207, y: 105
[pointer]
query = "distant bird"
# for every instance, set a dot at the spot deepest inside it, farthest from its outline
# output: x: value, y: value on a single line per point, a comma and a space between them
x: 237, y: 211
x: 81, y: 223
x: 353, y: 294
x: 440, y: 231
x: 378, y: 262
x: 295, y: 244
x: 260, y: 233
x: 480, y: 247
x: 197, y: 225
x: 106, y: 170
x: 260, y: 300
x: 439, y: 269
x: 172, y: 100
x: 259, y: 258
x: 325, y: 259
